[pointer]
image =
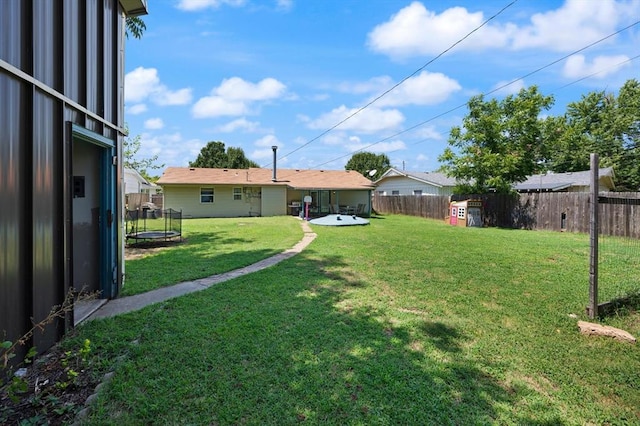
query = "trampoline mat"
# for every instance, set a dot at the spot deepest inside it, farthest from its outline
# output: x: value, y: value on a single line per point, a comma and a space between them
x: 153, y: 235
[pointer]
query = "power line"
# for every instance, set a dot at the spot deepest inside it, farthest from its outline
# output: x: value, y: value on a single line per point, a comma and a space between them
x: 403, y: 80
x: 422, y: 123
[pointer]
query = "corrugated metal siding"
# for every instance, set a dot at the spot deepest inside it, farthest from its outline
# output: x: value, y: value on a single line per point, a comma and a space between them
x: 75, y: 52
x: 46, y: 45
x: 14, y: 31
x: 45, y: 39
x: 91, y: 39
x: 110, y: 63
x: 48, y: 263
x: 14, y: 220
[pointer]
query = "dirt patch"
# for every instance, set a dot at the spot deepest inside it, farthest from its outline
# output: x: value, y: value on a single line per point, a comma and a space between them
x: 142, y: 249
x: 54, y: 387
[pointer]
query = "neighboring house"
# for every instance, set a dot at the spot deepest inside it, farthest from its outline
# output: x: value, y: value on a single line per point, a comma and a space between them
x: 201, y: 192
x: 135, y: 183
x: 567, y: 182
x: 397, y: 182
x: 61, y: 133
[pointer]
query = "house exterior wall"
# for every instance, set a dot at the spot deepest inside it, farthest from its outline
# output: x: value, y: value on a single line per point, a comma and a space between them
x: 187, y: 199
x: 407, y: 186
x: 131, y: 184
x: 256, y: 201
x: 274, y: 201
x: 52, y: 75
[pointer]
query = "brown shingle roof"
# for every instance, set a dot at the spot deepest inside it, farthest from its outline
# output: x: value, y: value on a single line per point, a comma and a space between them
x: 294, y: 178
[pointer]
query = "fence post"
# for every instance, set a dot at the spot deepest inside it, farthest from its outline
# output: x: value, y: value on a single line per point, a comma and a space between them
x: 592, y: 309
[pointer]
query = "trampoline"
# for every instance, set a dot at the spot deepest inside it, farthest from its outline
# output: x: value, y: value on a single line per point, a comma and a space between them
x: 339, y: 220
x: 146, y: 224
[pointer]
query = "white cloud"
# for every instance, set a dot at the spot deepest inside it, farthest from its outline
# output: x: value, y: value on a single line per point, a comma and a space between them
x: 284, y: 5
x: 414, y: 30
x: 168, y: 97
x: 215, y: 106
x: 240, y: 124
x: 354, y: 144
x: 262, y: 154
x: 602, y: 66
x: 144, y: 83
x: 575, y: 24
x: 154, y: 124
x: 373, y: 85
x: 193, y: 5
x: 268, y: 141
x: 236, y: 88
x: 235, y: 95
x: 334, y: 138
x: 428, y: 132
x: 369, y: 120
x: 140, y: 83
x: 136, y: 109
x: 424, y: 89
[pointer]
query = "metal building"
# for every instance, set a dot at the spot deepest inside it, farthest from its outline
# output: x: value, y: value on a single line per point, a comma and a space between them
x: 61, y: 131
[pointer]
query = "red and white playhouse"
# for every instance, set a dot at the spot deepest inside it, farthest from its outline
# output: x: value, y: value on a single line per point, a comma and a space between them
x: 465, y: 213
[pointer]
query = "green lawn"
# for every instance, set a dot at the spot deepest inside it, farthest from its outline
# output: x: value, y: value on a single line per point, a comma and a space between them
x: 210, y: 246
x: 405, y: 321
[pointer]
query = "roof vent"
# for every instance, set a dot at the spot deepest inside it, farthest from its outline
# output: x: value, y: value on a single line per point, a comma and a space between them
x: 191, y: 169
x: 275, y: 149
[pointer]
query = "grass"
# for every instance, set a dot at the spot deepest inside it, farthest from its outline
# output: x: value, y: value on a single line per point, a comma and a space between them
x: 209, y: 247
x: 405, y: 321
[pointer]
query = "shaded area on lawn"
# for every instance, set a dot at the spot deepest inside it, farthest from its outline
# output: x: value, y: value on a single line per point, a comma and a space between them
x: 294, y: 350
x: 221, y: 246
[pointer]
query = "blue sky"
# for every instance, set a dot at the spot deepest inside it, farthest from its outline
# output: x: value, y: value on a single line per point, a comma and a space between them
x: 258, y: 73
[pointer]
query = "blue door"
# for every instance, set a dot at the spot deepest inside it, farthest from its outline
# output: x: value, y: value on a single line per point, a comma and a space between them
x: 94, y: 215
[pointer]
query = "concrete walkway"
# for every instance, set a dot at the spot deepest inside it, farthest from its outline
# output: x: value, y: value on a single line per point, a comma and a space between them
x: 132, y: 303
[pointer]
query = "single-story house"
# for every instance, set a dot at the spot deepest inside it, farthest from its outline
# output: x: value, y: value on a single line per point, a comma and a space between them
x: 567, y: 182
x: 135, y: 183
x: 396, y: 182
x: 204, y: 192
x: 399, y: 182
x: 61, y: 135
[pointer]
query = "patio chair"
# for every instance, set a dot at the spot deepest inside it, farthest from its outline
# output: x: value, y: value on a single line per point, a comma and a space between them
x: 360, y: 209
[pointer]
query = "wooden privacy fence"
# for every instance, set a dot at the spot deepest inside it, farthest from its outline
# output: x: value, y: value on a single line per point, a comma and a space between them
x: 136, y: 200
x: 557, y: 211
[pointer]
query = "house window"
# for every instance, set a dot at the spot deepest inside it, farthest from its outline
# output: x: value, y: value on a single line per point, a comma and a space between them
x: 417, y: 192
x: 461, y: 211
x: 396, y: 192
x: 206, y: 195
x: 237, y: 193
x: 381, y: 192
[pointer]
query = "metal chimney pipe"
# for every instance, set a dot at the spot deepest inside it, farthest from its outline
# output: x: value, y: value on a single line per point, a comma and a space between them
x: 274, y: 148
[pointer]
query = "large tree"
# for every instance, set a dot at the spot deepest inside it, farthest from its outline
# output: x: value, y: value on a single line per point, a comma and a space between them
x: 369, y: 164
x: 627, y: 125
x: 214, y: 156
x: 587, y: 128
x: 499, y: 143
x: 604, y: 124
